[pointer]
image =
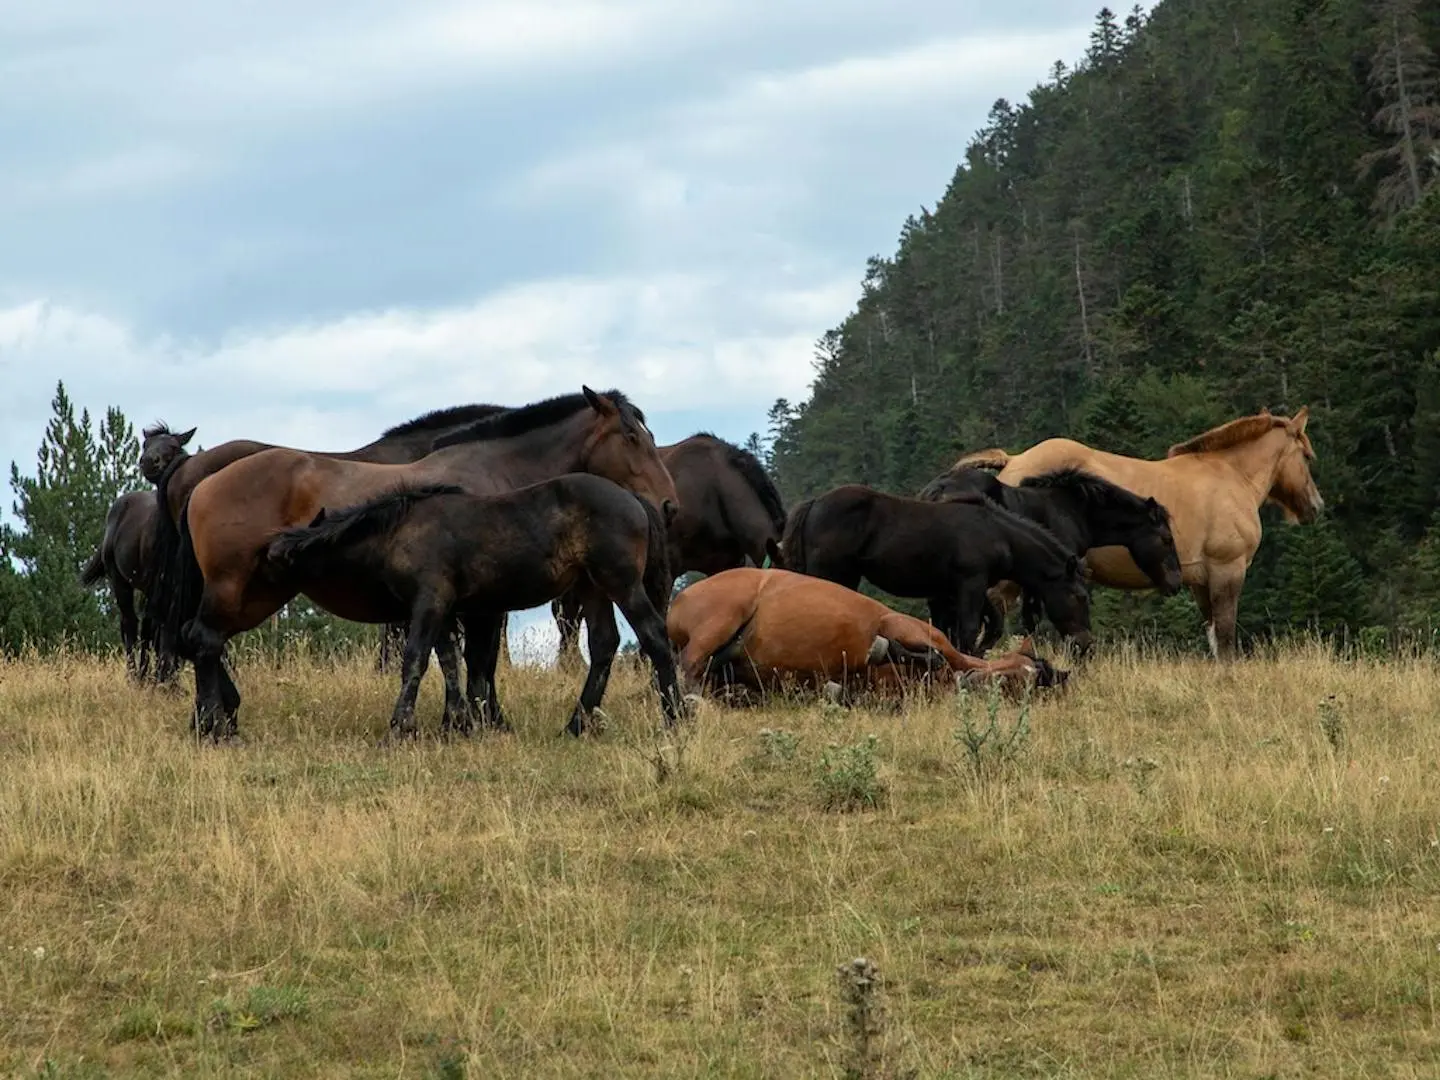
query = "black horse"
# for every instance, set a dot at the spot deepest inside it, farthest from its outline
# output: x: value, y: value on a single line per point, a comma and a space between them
x: 126, y: 555
x: 729, y: 512
x: 1082, y: 511
x: 435, y: 555
x: 914, y: 548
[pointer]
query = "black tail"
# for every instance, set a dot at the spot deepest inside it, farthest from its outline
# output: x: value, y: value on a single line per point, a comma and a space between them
x: 293, y: 548
x: 793, y: 544
x: 160, y: 573
x: 94, y: 570
x: 179, y: 586
x: 659, y: 578
x: 754, y: 474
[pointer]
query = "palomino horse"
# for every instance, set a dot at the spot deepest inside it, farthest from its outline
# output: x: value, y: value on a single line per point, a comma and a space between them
x: 233, y: 514
x: 435, y: 554
x: 763, y: 629
x: 729, y: 511
x: 126, y: 553
x: 1213, y: 485
x: 400, y: 445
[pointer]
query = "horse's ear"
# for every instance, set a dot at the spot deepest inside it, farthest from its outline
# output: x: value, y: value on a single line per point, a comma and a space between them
x: 601, y: 404
x: 1300, y: 419
x: 1027, y: 648
x: 1154, y: 509
x: 186, y: 437
x: 318, y: 519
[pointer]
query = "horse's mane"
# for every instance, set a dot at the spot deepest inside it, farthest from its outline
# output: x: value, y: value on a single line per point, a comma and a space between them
x: 753, y: 473
x: 443, y: 418
x: 510, y: 423
x: 160, y: 427
x: 1246, y: 429
x: 353, y: 523
x: 1095, y: 490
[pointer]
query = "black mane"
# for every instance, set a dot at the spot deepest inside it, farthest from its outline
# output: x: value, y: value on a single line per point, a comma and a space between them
x: 443, y: 418
x: 160, y: 427
x: 1094, y: 490
x: 511, y: 423
x: 377, y: 517
x: 754, y: 474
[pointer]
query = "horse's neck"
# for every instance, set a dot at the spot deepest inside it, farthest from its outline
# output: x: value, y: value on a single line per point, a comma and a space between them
x: 1257, y: 461
x: 1058, y: 510
x: 1028, y: 551
x: 518, y: 460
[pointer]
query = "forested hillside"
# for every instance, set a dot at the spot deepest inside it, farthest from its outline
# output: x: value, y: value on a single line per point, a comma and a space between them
x: 1227, y: 205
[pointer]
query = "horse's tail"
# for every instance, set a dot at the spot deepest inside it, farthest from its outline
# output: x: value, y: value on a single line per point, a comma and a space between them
x: 94, y: 570
x: 158, y: 580
x: 758, y: 480
x: 298, y: 548
x: 658, y: 579
x: 176, y: 599
x: 993, y: 458
x: 793, y: 543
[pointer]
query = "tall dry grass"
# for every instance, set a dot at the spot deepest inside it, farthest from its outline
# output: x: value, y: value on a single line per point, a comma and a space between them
x: 1182, y: 869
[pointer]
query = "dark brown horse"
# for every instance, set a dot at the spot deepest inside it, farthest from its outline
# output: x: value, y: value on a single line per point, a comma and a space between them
x: 1082, y: 511
x: 233, y: 514
x: 436, y: 554
x: 729, y: 511
x: 400, y: 445
x: 956, y: 549
x: 126, y: 553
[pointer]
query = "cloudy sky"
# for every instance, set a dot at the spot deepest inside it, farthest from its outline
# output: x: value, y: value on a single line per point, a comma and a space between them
x: 305, y: 222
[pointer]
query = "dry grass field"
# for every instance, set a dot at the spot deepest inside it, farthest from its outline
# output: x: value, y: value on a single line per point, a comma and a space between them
x: 1178, y: 869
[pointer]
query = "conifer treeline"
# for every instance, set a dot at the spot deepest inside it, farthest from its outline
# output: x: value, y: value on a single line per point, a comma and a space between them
x: 1227, y: 205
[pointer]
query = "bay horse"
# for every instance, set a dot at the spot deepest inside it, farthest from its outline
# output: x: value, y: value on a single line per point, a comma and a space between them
x: 1213, y: 486
x: 957, y: 549
x: 434, y: 554
x: 763, y: 629
x: 232, y: 514
x: 1082, y: 511
x: 729, y: 511
x: 399, y: 445
x: 126, y: 553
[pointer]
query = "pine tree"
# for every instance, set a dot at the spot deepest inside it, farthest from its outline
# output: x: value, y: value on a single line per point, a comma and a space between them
x: 1324, y: 586
x: 1405, y: 77
x: 62, y: 511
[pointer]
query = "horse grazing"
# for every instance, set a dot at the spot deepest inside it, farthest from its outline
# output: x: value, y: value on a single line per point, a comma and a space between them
x: 399, y: 445
x: 233, y: 514
x: 1082, y: 511
x: 435, y: 554
x: 956, y: 549
x: 1213, y: 486
x: 765, y: 628
x: 729, y: 511
x: 125, y: 556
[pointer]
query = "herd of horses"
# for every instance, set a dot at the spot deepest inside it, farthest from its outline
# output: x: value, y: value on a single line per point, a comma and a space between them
x: 444, y: 524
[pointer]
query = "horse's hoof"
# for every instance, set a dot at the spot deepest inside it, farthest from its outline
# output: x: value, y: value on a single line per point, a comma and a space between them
x: 879, y: 650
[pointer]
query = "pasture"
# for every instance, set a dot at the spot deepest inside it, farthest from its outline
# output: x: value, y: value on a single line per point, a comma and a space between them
x: 1180, y: 868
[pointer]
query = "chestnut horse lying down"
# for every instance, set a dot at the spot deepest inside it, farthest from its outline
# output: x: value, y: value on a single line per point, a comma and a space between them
x: 762, y: 628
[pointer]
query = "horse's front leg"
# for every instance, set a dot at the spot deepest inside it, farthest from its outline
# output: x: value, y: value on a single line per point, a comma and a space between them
x: 970, y: 603
x: 650, y: 634
x: 1224, y: 585
x: 604, y: 640
x: 427, y: 623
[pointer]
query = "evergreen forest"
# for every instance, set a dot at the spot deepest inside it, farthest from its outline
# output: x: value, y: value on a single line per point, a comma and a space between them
x: 1224, y: 205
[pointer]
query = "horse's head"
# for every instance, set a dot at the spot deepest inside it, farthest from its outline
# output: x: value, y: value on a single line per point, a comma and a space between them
x: 1153, y: 548
x: 621, y: 449
x: 1293, y: 489
x: 1067, y: 601
x: 161, y: 446
x: 964, y: 484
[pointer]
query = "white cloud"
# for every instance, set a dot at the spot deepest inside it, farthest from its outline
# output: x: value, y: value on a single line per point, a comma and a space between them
x: 672, y: 343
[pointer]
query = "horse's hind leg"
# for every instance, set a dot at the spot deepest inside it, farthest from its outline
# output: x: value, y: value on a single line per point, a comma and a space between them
x: 457, y: 715
x: 567, y: 611
x: 650, y: 633
x: 129, y: 624
x: 604, y: 640
x: 484, y: 632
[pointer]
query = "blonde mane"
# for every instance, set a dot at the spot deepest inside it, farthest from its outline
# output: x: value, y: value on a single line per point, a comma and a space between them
x: 1246, y: 429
